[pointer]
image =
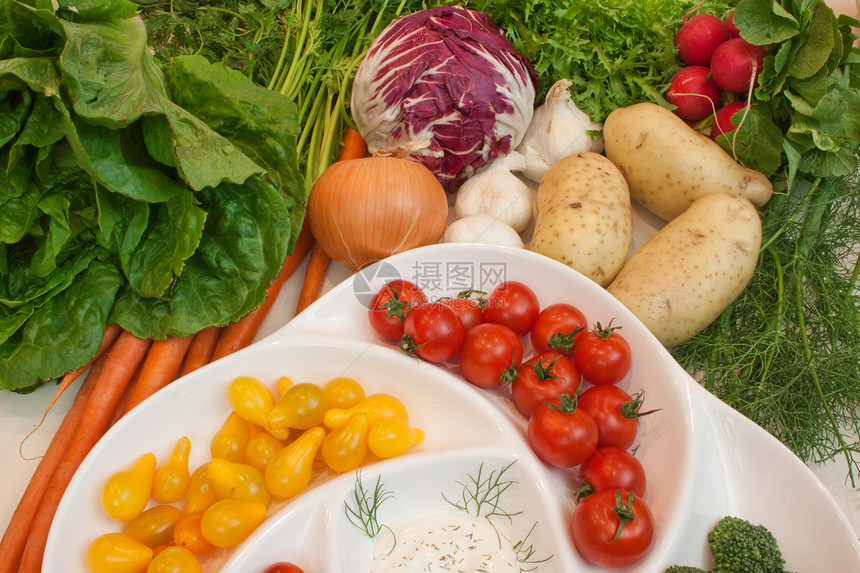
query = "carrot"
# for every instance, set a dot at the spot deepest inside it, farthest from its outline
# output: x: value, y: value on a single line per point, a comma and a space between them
x: 314, y: 277
x: 110, y: 334
x: 15, y: 537
x: 238, y: 335
x: 120, y: 365
x: 353, y: 147
x: 159, y: 369
x: 201, y: 349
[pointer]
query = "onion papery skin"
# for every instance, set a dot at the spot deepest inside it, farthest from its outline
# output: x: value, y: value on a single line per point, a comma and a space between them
x: 364, y: 210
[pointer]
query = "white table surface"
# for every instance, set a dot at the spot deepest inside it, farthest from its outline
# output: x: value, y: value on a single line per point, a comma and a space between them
x: 20, y: 414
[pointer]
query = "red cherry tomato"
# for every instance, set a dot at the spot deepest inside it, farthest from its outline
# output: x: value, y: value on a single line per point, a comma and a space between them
x: 469, y: 309
x: 562, y: 434
x: 513, y: 304
x: 432, y: 332
x: 387, y: 313
x: 602, y: 355
x: 616, y: 412
x: 611, y: 468
x: 490, y: 355
x: 283, y: 567
x: 543, y: 378
x: 555, y: 328
x: 612, y: 528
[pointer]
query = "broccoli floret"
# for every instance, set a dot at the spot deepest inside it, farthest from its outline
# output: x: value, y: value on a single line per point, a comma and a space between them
x: 684, y: 569
x: 742, y: 547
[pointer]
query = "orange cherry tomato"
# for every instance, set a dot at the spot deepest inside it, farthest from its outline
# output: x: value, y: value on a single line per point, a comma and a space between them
x: 170, y: 482
x: 289, y: 471
x: 200, y: 492
x: 376, y: 406
x: 118, y: 553
x: 302, y: 406
x: 238, y: 481
x: 228, y: 522
x: 188, y: 533
x: 391, y: 437
x: 344, y: 448
x: 250, y: 398
x: 175, y: 560
x: 231, y: 439
x: 343, y: 392
x: 127, y: 492
x: 154, y: 527
x: 261, y: 448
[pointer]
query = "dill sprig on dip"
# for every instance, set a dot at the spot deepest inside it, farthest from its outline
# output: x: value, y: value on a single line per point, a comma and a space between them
x: 364, y: 514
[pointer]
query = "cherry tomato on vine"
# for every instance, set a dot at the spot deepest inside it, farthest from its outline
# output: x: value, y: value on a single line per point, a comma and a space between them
x: 616, y: 412
x: 612, y: 528
x: 433, y: 332
x: 394, y: 301
x: 283, y: 567
x: 513, y: 304
x: 611, y: 468
x: 490, y: 355
x: 556, y: 327
x: 469, y: 310
x: 602, y: 355
x: 561, y: 434
x: 542, y: 378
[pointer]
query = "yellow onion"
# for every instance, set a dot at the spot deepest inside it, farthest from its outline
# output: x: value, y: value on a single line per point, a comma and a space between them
x: 363, y: 210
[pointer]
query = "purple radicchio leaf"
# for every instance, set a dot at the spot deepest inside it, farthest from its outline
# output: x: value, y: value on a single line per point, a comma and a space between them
x: 443, y: 86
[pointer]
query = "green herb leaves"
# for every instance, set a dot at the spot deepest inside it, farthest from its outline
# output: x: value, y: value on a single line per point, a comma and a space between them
x: 164, y: 202
x: 785, y: 353
x: 807, y: 107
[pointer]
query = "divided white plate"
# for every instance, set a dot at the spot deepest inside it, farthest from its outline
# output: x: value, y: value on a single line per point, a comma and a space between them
x: 703, y: 459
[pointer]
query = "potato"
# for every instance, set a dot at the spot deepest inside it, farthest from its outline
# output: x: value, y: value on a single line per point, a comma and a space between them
x: 693, y: 268
x: 584, y: 218
x: 668, y: 164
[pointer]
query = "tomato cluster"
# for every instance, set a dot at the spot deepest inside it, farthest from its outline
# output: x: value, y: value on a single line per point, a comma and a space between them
x: 579, y: 418
x: 267, y: 449
x: 721, y: 67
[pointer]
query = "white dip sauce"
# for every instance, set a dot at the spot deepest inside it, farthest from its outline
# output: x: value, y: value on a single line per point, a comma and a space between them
x: 443, y: 540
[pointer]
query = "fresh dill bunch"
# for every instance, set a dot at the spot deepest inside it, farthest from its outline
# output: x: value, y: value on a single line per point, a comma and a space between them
x: 786, y: 353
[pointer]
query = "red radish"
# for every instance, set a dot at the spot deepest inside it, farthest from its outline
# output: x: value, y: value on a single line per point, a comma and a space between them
x: 736, y: 64
x: 730, y: 24
x: 699, y: 37
x: 723, y: 120
x: 694, y: 92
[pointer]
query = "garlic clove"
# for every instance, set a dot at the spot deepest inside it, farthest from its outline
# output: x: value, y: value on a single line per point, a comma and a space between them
x: 498, y: 192
x: 558, y: 129
x: 482, y: 229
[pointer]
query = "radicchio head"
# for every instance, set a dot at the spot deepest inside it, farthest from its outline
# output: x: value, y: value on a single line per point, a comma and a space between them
x: 443, y: 86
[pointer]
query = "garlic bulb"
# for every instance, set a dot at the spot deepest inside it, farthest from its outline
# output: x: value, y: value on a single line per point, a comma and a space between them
x: 558, y: 129
x: 497, y: 192
x: 483, y: 229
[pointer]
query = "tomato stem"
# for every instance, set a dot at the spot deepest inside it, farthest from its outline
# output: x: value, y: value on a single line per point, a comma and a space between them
x: 624, y: 512
x: 564, y: 342
x: 630, y: 409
